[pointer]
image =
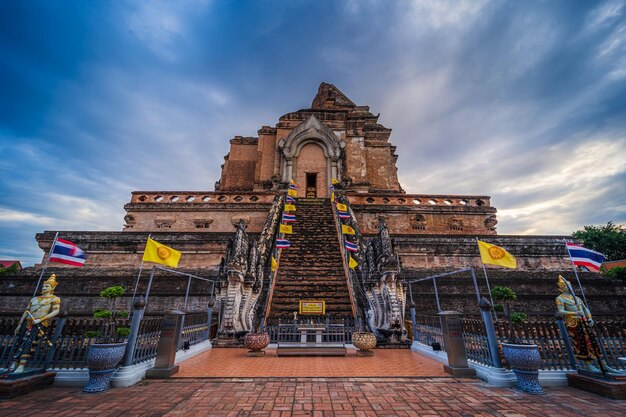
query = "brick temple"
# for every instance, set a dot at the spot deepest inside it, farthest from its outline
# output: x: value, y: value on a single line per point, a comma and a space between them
x: 332, y: 139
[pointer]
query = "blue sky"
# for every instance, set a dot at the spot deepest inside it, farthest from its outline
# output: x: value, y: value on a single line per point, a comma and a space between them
x: 523, y: 101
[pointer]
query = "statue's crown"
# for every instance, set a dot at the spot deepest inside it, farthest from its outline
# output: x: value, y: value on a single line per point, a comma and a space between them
x: 52, y: 281
x: 562, y: 282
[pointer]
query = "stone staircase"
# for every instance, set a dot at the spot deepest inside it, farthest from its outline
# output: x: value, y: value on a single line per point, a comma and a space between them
x: 311, y: 269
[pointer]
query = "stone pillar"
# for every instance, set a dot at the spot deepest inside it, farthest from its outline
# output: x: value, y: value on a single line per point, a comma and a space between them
x: 492, y: 339
x: 452, y: 329
x: 171, y: 329
x: 138, y: 309
x: 210, y: 306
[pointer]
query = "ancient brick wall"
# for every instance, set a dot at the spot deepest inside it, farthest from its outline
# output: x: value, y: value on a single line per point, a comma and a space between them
x: 196, y: 211
x: 536, y: 291
x: 239, y: 165
x: 79, y: 289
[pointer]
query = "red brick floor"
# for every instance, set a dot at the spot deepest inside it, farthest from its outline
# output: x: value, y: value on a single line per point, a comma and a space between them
x: 316, y: 397
x: 235, y: 363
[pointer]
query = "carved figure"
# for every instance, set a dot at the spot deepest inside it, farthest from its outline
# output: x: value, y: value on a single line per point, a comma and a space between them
x: 385, y: 293
x: 36, y: 319
x: 579, y: 324
x: 242, y: 271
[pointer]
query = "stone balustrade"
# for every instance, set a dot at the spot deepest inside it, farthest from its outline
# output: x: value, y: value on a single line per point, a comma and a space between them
x: 420, y: 200
x: 203, y: 197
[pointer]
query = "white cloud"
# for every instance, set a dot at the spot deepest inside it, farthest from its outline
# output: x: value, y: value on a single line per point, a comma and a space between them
x: 15, y: 216
x: 603, y: 14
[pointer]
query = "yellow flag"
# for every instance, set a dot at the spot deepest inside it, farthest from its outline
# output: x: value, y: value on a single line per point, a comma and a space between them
x: 290, y: 207
x: 285, y: 228
x: 347, y: 230
x: 334, y: 181
x: 292, y: 181
x: 292, y: 193
x: 161, y: 254
x: 495, y: 255
x: 332, y: 196
x: 352, y: 263
x: 274, y: 264
x: 342, y: 207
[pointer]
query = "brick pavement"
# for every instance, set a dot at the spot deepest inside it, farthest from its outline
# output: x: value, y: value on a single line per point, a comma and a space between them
x: 234, y: 363
x: 316, y: 397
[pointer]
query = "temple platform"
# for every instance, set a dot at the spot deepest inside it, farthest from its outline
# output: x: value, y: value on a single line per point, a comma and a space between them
x: 611, y: 387
x: 235, y: 363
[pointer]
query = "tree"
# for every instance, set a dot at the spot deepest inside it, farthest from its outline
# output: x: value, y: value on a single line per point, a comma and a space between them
x: 609, y: 240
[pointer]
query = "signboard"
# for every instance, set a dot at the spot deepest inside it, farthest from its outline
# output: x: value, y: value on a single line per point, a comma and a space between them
x: 313, y: 307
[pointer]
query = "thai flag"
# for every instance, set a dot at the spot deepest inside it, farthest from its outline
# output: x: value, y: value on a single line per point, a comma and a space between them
x: 66, y: 252
x: 581, y: 256
x: 292, y: 185
x: 289, y: 217
x: 343, y: 214
x: 282, y: 243
x: 352, y: 247
x: 291, y: 200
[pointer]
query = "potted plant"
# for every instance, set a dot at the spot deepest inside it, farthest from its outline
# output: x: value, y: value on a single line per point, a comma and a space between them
x: 105, y: 354
x: 523, y: 358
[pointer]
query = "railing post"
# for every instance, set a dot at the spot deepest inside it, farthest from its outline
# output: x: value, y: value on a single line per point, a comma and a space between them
x: 566, y: 341
x: 413, y: 320
x: 492, y: 340
x: 55, y: 338
x: 138, y: 310
x: 210, y: 305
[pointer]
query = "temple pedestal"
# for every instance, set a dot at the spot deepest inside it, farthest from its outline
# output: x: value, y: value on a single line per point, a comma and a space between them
x: 14, y: 385
x: 611, y: 386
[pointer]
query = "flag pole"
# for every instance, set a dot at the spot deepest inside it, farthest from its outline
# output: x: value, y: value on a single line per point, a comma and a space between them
x: 137, y: 280
x: 45, y: 264
x: 486, y: 280
x: 576, y: 273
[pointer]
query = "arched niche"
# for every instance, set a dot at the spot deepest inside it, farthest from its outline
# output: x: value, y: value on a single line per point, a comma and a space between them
x: 309, y: 132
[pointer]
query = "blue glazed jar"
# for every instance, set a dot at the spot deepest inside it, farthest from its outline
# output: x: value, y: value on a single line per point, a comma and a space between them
x: 102, y: 360
x: 525, y: 362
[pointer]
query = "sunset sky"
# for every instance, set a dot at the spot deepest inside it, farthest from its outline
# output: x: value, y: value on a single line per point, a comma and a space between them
x: 522, y: 101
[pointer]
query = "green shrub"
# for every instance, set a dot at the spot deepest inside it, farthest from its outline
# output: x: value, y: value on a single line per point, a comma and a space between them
x: 123, y: 331
x: 92, y: 333
x: 102, y: 314
x: 122, y: 314
x: 498, y: 307
x: 503, y: 294
x: 112, y: 292
x: 617, y: 273
x: 518, y: 317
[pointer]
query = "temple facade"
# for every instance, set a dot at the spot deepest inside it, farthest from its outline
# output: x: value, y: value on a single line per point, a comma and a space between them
x: 334, y: 138
x: 228, y: 233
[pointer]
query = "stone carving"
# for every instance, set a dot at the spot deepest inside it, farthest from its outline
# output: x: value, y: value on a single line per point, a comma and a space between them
x: 36, y: 320
x: 491, y: 222
x: 242, y: 272
x: 579, y: 324
x: 384, y: 290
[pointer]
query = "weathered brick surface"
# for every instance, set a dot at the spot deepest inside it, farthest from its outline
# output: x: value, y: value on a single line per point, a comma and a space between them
x: 312, y: 160
x: 314, y: 397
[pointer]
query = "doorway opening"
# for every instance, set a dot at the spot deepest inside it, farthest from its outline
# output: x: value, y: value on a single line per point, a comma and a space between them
x: 311, y: 185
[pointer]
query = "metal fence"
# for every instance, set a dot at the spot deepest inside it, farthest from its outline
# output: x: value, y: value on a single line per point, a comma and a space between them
x: 476, y: 342
x: 147, y: 339
x: 544, y: 333
x: 66, y: 344
x: 195, y: 329
x: 330, y: 330
x: 428, y: 330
